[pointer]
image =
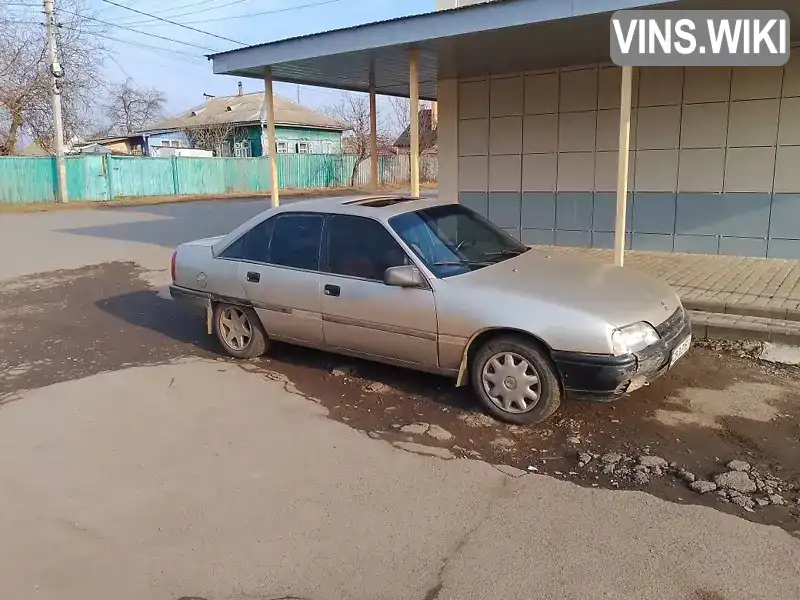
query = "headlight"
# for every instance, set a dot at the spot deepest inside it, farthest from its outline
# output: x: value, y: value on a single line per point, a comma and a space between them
x: 633, y: 338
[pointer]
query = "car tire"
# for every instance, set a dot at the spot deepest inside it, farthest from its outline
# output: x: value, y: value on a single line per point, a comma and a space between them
x: 239, y: 330
x: 496, y: 382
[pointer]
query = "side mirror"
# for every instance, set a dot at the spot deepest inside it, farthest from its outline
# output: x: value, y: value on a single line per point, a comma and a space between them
x: 404, y: 276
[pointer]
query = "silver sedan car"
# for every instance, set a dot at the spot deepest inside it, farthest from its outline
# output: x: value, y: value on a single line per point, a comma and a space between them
x: 435, y: 287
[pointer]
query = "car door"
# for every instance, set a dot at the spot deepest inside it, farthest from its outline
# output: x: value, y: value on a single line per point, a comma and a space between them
x: 359, y: 312
x: 280, y: 276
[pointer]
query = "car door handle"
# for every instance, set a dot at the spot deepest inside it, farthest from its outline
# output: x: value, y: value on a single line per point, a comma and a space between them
x: 332, y: 290
x: 253, y: 277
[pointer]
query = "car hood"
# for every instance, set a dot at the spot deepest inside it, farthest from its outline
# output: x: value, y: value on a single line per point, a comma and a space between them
x: 618, y: 295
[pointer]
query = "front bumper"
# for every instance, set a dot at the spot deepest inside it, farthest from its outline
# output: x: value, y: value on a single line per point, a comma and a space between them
x: 598, y: 377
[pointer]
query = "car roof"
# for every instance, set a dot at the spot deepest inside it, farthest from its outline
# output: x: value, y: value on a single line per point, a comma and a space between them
x: 380, y: 207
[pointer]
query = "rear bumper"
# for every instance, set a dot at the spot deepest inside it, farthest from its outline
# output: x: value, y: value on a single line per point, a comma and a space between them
x: 193, y: 300
x: 597, y: 377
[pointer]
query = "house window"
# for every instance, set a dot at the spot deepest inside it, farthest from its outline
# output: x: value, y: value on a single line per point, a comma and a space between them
x: 242, y: 149
x: 302, y: 148
x: 283, y: 147
x: 175, y: 144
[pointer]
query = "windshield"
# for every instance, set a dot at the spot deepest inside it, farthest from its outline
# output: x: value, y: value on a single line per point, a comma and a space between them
x: 451, y: 239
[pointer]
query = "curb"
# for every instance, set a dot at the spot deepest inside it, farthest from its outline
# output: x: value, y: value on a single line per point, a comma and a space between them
x: 748, y: 310
x: 712, y: 325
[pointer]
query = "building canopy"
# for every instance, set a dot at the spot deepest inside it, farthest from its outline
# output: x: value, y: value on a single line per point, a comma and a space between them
x: 474, y: 41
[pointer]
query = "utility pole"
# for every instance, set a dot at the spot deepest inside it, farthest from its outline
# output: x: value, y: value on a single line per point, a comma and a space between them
x: 56, y: 73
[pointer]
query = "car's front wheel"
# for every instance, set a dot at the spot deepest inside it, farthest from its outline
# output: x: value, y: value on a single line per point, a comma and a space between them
x: 515, y: 380
x: 239, y: 331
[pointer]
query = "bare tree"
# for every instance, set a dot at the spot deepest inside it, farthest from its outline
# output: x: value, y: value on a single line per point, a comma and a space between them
x: 128, y: 108
x: 214, y: 137
x: 400, y: 115
x: 353, y: 112
x: 25, y: 109
x: 401, y: 122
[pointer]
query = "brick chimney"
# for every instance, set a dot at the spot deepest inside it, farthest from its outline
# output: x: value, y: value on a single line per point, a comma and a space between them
x: 241, y: 92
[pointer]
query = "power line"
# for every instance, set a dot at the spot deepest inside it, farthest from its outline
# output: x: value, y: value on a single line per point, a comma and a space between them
x: 143, y: 46
x: 131, y: 43
x: 191, y: 12
x: 248, y: 15
x: 110, y: 24
x: 173, y: 22
x: 116, y: 62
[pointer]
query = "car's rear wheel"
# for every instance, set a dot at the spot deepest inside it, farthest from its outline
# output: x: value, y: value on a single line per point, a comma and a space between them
x: 515, y: 380
x: 239, y: 331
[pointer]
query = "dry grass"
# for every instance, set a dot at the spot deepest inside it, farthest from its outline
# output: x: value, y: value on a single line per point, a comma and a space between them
x: 171, y: 199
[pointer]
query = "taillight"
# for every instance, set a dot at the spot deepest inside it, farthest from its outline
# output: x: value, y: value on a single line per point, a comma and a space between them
x: 172, y: 266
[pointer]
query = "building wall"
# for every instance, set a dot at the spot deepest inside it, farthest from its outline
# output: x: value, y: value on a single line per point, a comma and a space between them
x: 168, y: 138
x: 120, y: 147
x: 714, y: 164
x: 320, y: 141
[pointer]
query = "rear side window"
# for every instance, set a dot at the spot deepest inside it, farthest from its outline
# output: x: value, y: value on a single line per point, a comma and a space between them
x: 253, y: 245
x: 296, y: 241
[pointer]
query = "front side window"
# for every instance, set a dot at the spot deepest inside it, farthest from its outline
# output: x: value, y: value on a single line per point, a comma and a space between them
x: 451, y: 239
x: 359, y: 247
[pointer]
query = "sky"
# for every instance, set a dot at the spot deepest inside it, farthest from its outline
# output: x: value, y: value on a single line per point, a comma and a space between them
x: 174, y: 61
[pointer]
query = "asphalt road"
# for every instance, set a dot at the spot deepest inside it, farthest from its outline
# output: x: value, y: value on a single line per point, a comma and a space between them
x: 137, y: 462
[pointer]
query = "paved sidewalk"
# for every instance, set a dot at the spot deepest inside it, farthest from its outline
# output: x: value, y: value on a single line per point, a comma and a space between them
x: 757, y: 287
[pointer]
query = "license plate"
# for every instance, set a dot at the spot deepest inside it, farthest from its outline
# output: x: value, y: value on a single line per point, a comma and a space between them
x: 680, y: 350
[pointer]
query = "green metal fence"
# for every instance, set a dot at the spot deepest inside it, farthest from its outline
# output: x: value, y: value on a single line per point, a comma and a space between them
x: 139, y: 176
x: 27, y: 180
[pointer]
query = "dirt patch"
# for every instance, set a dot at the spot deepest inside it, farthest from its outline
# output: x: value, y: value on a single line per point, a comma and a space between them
x: 75, y: 323
x: 716, y: 406
x: 730, y: 407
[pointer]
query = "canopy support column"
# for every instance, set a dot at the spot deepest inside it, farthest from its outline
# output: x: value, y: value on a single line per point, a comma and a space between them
x: 622, y: 167
x: 373, y: 132
x: 269, y: 98
x: 414, y: 121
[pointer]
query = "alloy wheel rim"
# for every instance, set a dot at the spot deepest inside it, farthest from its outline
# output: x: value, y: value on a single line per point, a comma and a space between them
x: 511, y: 382
x: 235, y: 328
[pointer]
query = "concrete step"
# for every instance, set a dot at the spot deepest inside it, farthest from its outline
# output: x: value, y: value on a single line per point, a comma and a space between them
x: 742, y: 309
x: 714, y: 325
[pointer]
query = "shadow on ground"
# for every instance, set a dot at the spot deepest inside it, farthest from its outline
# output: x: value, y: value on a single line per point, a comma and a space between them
x: 144, y: 309
x: 172, y: 224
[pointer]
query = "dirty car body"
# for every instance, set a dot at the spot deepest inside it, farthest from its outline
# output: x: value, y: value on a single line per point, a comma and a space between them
x: 426, y: 285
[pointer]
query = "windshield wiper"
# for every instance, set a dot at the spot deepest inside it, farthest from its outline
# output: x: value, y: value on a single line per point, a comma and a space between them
x: 507, y: 252
x: 461, y: 263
